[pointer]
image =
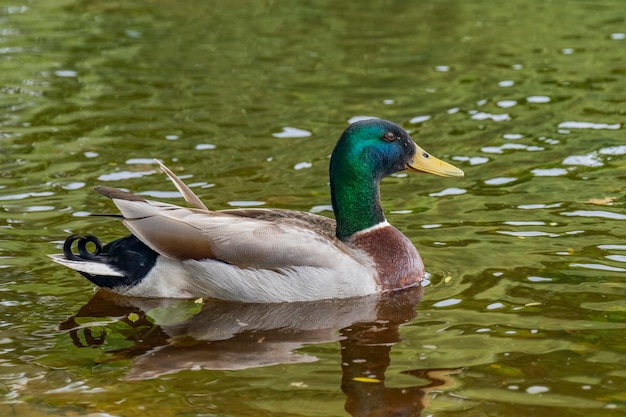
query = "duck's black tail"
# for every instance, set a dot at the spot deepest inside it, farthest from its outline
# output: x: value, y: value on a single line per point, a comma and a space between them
x: 121, y: 263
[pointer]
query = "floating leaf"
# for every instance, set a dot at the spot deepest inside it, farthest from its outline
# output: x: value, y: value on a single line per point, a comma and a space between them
x: 606, y: 201
x: 366, y: 379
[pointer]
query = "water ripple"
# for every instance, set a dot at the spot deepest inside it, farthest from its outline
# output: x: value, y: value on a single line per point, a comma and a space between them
x: 588, y: 125
x: 549, y: 172
x: 595, y: 213
x: 124, y: 175
x: 598, y: 267
x: 472, y: 160
x: 292, y: 132
x: 510, y: 146
x: 449, y: 191
x: 489, y: 116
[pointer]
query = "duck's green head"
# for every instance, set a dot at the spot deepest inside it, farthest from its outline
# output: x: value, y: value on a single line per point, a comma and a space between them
x: 366, y: 152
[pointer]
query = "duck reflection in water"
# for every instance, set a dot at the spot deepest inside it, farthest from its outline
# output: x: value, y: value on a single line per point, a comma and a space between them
x: 221, y: 335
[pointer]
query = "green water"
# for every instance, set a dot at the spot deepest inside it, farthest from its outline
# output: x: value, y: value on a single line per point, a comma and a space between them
x: 524, y: 314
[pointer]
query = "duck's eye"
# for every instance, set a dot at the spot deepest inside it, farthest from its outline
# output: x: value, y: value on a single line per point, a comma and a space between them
x: 389, y: 137
x: 425, y: 155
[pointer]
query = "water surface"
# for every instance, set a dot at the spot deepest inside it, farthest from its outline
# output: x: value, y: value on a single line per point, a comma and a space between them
x: 524, y: 312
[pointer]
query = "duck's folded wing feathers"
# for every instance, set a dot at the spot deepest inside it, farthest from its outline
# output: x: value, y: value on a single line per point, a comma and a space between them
x: 263, y: 244
x: 183, y: 233
x: 188, y: 195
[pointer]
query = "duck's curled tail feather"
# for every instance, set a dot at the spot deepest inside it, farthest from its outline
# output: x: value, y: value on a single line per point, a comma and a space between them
x: 83, y: 253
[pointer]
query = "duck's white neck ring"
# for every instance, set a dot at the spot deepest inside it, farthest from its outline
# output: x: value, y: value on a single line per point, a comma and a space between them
x: 377, y: 226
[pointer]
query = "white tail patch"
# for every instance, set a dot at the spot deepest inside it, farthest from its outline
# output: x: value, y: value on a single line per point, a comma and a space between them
x: 88, y: 267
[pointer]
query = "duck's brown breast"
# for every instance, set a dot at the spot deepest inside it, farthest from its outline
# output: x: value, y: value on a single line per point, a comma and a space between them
x: 397, y: 262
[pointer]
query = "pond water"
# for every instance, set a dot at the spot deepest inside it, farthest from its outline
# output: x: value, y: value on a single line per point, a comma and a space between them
x: 524, y: 313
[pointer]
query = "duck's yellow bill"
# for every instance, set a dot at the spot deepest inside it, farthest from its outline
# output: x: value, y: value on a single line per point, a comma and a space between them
x: 425, y: 162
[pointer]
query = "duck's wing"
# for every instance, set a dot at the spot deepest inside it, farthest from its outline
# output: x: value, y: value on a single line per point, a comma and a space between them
x: 188, y: 195
x: 267, y: 239
x: 320, y: 224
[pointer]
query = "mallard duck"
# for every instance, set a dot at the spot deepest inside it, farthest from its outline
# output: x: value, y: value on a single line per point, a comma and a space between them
x: 268, y: 255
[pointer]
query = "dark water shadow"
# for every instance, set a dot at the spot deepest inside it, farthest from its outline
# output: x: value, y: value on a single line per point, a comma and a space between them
x: 227, y: 336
